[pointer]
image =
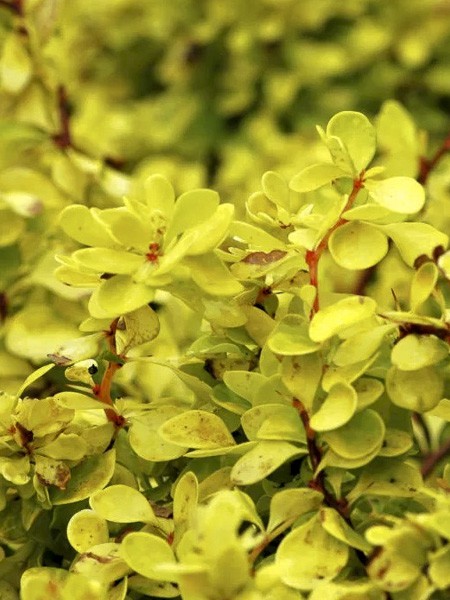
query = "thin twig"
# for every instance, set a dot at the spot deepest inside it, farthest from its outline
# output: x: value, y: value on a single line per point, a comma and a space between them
x: 313, y: 256
x: 434, y: 458
x: 427, y: 165
x: 63, y: 139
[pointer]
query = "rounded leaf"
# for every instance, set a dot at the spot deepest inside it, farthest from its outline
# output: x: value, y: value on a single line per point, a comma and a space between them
x: 122, y: 504
x: 191, y: 209
x: 357, y: 246
x: 357, y: 134
x: 86, y: 478
x: 415, y: 239
x: 287, y: 505
x: 117, y: 296
x: 108, y: 260
x: 86, y: 529
x: 337, y: 317
x: 417, y: 351
x: 423, y: 283
x: 78, y: 223
x: 419, y: 390
x: 315, y: 176
x: 359, y: 437
x: 159, y: 193
x: 196, y: 429
x: 262, y: 460
x: 43, y: 583
x: 309, y: 555
x: 144, y: 552
x: 276, y: 189
x: 290, y: 337
x: 145, y: 440
x: 400, y: 194
x: 337, y: 408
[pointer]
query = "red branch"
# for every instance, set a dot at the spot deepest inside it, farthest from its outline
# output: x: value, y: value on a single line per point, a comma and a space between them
x: 63, y: 139
x: 433, y: 459
x: 15, y: 6
x: 313, y: 256
x: 427, y: 165
x: 315, y: 456
x: 103, y: 391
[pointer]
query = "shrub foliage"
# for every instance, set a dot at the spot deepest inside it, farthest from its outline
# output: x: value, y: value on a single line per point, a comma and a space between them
x: 206, y: 398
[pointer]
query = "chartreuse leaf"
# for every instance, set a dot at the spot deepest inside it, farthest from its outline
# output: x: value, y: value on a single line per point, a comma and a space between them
x: 212, y: 276
x: 388, y: 477
x: 273, y: 421
x: 37, y: 582
x: 348, y: 374
x: 159, y: 193
x: 417, y: 351
x: 357, y: 135
x: 439, y: 569
x: 444, y: 263
x: 400, y: 560
x: 418, y: 390
x: 86, y: 478
x: 145, y: 553
x: 369, y: 212
x: 108, y: 260
x: 400, y: 194
x: 315, y: 176
x: 347, y: 590
x: 185, y: 501
x: 117, y: 296
x: 102, y: 563
x: 357, y: 245
x: 309, y: 555
x: 368, y: 391
x: 301, y: 375
x: 361, y: 346
x: 422, y: 284
x: 255, y: 237
x: 290, y: 337
x: 86, y: 529
x: 331, y: 459
x: 415, y: 239
x: 395, y: 442
x: 335, y: 525
x: 243, y: 383
x: 359, y: 437
x: 125, y: 228
x: 16, y: 66
x: 262, y: 460
x: 196, y: 429
x: 78, y: 222
x: 122, y: 504
x: 67, y: 446
x: 37, y: 374
x: 210, y: 234
x: 145, y: 440
x: 286, y: 506
x: 276, y: 189
x: 337, y: 408
x: 337, y: 317
x: 191, y: 209
x: 135, y: 328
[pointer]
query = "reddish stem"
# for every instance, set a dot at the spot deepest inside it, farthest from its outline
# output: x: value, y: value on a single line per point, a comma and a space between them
x: 434, y: 458
x: 427, y: 165
x: 315, y: 456
x: 63, y: 139
x: 103, y: 391
x: 15, y: 6
x: 313, y: 256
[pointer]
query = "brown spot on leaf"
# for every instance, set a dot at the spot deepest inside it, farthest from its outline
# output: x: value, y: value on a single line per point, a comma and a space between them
x: 264, y: 258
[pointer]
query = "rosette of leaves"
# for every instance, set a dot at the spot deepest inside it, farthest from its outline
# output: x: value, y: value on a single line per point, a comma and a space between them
x: 148, y: 245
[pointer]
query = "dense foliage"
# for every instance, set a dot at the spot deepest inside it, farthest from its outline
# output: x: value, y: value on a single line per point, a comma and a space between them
x: 239, y: 394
